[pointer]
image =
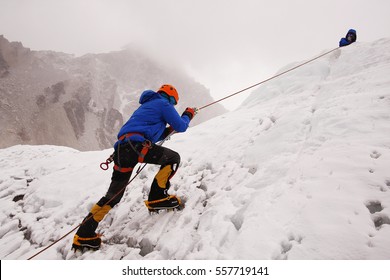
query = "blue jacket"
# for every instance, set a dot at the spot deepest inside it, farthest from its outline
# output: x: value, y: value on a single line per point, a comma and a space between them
x: 344, y: 41
x: 152, y: 117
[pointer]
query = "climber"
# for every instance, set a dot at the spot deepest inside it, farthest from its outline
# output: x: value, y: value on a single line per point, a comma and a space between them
x: 349, y: 38
x: 154, y: 120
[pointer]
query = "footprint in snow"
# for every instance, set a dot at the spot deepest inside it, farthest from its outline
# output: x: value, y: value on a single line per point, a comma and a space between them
x: 374, y: 206
x: 146, y: 247
x: 379, y: 219
x: 287, y: 245
x: 375, y: 155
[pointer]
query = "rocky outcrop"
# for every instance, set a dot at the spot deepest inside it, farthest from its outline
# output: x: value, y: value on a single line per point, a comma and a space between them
x: 3, y: 67
x: 55, y: 98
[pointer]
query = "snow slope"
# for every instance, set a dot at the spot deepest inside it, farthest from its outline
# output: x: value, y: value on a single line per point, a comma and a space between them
x: 299, y: 171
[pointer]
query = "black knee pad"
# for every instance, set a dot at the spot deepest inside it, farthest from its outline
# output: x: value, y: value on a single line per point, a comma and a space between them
x: 171, y: 158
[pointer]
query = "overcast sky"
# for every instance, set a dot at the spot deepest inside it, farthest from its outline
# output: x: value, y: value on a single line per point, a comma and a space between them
x: 226, y: 45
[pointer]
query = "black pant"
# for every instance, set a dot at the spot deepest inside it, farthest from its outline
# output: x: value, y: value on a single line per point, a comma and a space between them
x: 126, y: 156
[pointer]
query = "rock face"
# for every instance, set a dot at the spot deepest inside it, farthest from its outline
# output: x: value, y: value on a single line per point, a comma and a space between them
x: 55, y: 98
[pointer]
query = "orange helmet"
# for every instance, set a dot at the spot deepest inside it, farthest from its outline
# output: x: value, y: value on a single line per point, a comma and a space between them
x: 170, y: 91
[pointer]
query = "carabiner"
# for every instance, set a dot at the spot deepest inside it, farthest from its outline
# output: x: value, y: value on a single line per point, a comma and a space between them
x: 104, y: 165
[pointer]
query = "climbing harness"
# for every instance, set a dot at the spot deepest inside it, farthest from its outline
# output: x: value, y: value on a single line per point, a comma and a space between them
x: 105, y: 164
x: 146, y: 146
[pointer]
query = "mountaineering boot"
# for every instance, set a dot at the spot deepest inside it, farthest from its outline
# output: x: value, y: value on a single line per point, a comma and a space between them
x: 90, y: 243
x: 85, y: 237
x: 168, y: 203
x: 159, y: 199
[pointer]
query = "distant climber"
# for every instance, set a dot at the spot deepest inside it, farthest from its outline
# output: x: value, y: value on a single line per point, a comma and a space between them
x: 349, y: 38
x: 136, y: 143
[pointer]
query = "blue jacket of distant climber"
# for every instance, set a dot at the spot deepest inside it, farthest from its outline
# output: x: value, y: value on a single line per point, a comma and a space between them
x: 151, y: 118
x: 349, y: 38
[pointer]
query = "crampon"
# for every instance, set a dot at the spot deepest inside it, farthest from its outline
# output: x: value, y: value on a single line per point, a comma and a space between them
x: 169, y: 203
x: 86, y: 243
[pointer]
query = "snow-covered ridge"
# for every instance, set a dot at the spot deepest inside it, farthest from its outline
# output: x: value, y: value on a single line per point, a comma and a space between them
x: 299, y: 171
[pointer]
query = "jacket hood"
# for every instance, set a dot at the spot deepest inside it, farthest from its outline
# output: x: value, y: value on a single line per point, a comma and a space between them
x: 148, y: 95
x: 353, y: 31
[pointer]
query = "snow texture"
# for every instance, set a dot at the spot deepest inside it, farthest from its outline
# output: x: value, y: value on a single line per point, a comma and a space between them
x: 299, y: 171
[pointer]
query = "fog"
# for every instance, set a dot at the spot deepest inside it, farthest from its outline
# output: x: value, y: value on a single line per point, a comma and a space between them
x: 224, y: 44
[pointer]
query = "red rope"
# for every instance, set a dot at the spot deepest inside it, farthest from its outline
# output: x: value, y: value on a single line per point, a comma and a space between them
x: 262, y: 82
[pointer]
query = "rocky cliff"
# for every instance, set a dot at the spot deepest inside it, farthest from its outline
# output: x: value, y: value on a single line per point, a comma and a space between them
x: 54, y: 98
